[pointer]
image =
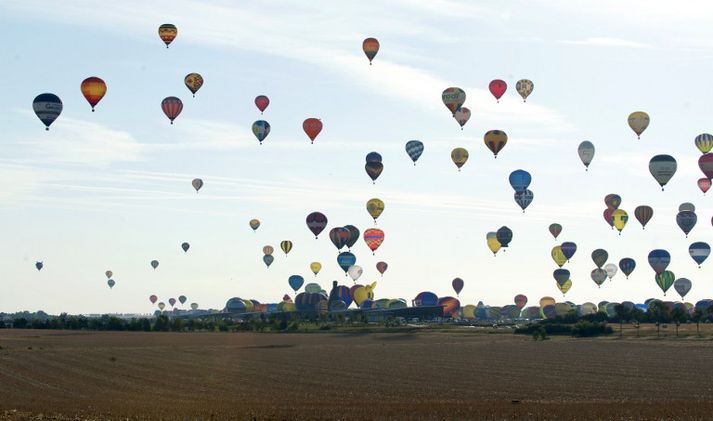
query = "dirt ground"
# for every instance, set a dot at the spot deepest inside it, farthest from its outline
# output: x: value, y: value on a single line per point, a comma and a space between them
x: 424, y: 375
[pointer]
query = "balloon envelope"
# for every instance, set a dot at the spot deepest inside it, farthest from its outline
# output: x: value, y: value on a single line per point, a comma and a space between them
x: 600, y: 257
x: 523, y: 198
x: 462, y: 116
x: 699, y: 252
x: 639, y: 121
x: 459, y: 157
x: 193, y: 82
x: 93, y: 89
x: 586, y: 152
x: 524, y: 87
x: 520, y: 180
x: 453, y: 98
x: 627, y: 265
x: 557, y: 255
x: 167, y: 32
x: 185, y: 247
x: 47, y: 107
x: 425, y: 299
x: 659, y: 260
x: 520, y: 301
x: 705, y: 163
x: 295, y: 282
x: 457, y: 285
x: 555, y: 230
x: 339, y: 237
x: 312, y: 127
x: 373, y: 238
x: 504, y: 236
x: 682, y: 286
x: 381, y: 267
x: 286, y: 246
x: 172, y: 107
x: 370, y: 47
x: 704, y: 142
x: 643, y: 214
x: 353, y: 235
x: 664, y: 280
x: 261, y: 102
x: 373, y: 157
x: 686, y: 220
x: 495, y: 140
x: 261, y: 129
x: 254, y: 224
x: 662, y: 168
x: 414, y: 149
x: 316, y: 222
x: 197, y: 183
x: 497, y: 87
x: 345, y: 260
x: 568, y: 249
x: 375, y: 207
x: 373, y: 170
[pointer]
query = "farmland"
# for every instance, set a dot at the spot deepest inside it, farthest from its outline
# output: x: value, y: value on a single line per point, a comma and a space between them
x: 404, y: 375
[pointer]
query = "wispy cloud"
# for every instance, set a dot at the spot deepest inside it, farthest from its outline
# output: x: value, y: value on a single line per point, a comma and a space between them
x: 608, y: 42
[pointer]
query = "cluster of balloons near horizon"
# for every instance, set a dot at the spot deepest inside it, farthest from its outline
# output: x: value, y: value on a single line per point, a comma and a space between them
x: 172, y: 302
x: 561, y: 255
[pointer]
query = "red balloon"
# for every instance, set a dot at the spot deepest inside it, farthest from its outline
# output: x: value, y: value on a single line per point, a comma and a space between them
x: 312, y: 126
x: 153, y: 299
x: 261, y: 101
x: 373, y: 238
x: 497, y: 88
x: 381, y: 267
x: 705, y: 163
x: 704, y: 184
x: 608, y: 218
x: 172, y: 107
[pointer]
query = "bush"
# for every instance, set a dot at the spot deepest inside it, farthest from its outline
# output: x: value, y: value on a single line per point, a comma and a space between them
x: 549, y: 329
x: 584, y: 329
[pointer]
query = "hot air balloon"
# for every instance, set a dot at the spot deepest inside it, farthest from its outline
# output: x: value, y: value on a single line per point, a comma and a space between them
x: 699, y: 252
x: 561, y: 275
x: 355, y: 272
x: 462, y: 116
x: 686, y: 220
x: 504, y: 236
x: 194, y: 306
x: 664, y: 280
x: 315, y: 267
x: 564, y: 288
x: 659, y: 260
x: 109, y: 274
x: 93, y: 89
x: 316, y: 222
x: 495, y: 140
x: 111, y: 283
x: 457, y: 285
x: 373, y: 170
x: 599, y: 276
x: 619, y: 219
x: 364, y: 293
x: 414, y: 149
x: 373, y: 157
x: 197, y: 183
x: 353, y: 236
x: 704, y: 184
x: 459, y: 157
x: 254, y: 224
x: 286, y: 246
x: 381, y: 267
x: 643, y: 213
x: 161, y: 306
x: 558, y: 256
x: 153, y: 299
x: 586, y: 153
x: 704, y: 142
x: 627, y: 265
x: 39, y: 265
x: 608, y: 217
x: 268, y: 259
x: 47, y: 107
x: 524, y: 87
x: 612, y: 201
x: 600, y: 257
x: 555, y: 230
x: 523, y: 198
x: 375, y: 207
x: 167, y: 32
x: 682, y: 286
x: 520, y: 180
x: 610, y: 269
x: 662, y: 167
x: 686, y: 206
x: 339, y: 237
x: 313, y: 288
x: 450, y: 306
x: 493, y: 243
x: 345, y: 260
x: 705, y: 163
x: 172, y: 107
x: 453, y: 98
x: 373, y: 238
x: 154, y: 264
x: 520, y: 301
x: 312, y: 127
x: 568, y: 249
x: 193, y: 82
x: 370, y: 47
x: 185, y: 247
x: 268, y: 250
x: 261, y: 102
x: 639, y: 121
x: 182, y: 299
x: 261, y: 129
x: 295, y: 282
x: 547, y: 301
x: 497, y: 87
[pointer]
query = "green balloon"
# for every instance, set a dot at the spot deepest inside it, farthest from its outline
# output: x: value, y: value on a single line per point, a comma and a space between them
x: 665, y: 280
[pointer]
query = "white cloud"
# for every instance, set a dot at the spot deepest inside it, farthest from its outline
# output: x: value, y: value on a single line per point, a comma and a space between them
x: 608, y: 42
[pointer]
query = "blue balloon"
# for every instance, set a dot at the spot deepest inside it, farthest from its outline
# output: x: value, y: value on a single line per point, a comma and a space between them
x: 627, y: 265
x: 520, y: 180
x: 523, y: 198
x: 345, y: 260
x: 296, y: 282
x: 373, y: 157
x: 425, y: 299
x: 568, y: 249
x: 659, y: 260
x: 699, y: 252
x: 414, y: 149
x: 504, y: 236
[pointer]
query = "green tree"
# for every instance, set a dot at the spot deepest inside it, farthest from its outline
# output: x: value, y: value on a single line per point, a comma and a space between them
x: 623, y: 313
x: 697, y: 316
x: 658, y: 312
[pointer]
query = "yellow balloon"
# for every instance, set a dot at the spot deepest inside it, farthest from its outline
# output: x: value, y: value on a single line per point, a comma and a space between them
x: 619, y: 218
x: 459, y: 157
x: 364, y: 293
x: 546, y: 301
x: 315, y: 267
x: 704, y: 142
x: 375, y: 207
x: 564, y: 287
x: 639, y: 121
x: 469, y: 312
x: 493, y: 243
x: 558, y: 256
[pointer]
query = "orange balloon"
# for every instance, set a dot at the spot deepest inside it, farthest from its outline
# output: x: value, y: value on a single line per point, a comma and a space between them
x: 312, y: 126
x: 370, y: 47
x: 93, y: 89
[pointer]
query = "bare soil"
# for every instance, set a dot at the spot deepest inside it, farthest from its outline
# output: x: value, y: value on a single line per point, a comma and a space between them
x: 420, y: 375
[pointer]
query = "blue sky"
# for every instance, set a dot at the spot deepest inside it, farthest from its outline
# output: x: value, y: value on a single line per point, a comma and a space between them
x: 111, y: 189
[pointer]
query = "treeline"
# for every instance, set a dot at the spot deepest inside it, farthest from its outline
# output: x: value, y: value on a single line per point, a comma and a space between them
x: 111, y: 323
